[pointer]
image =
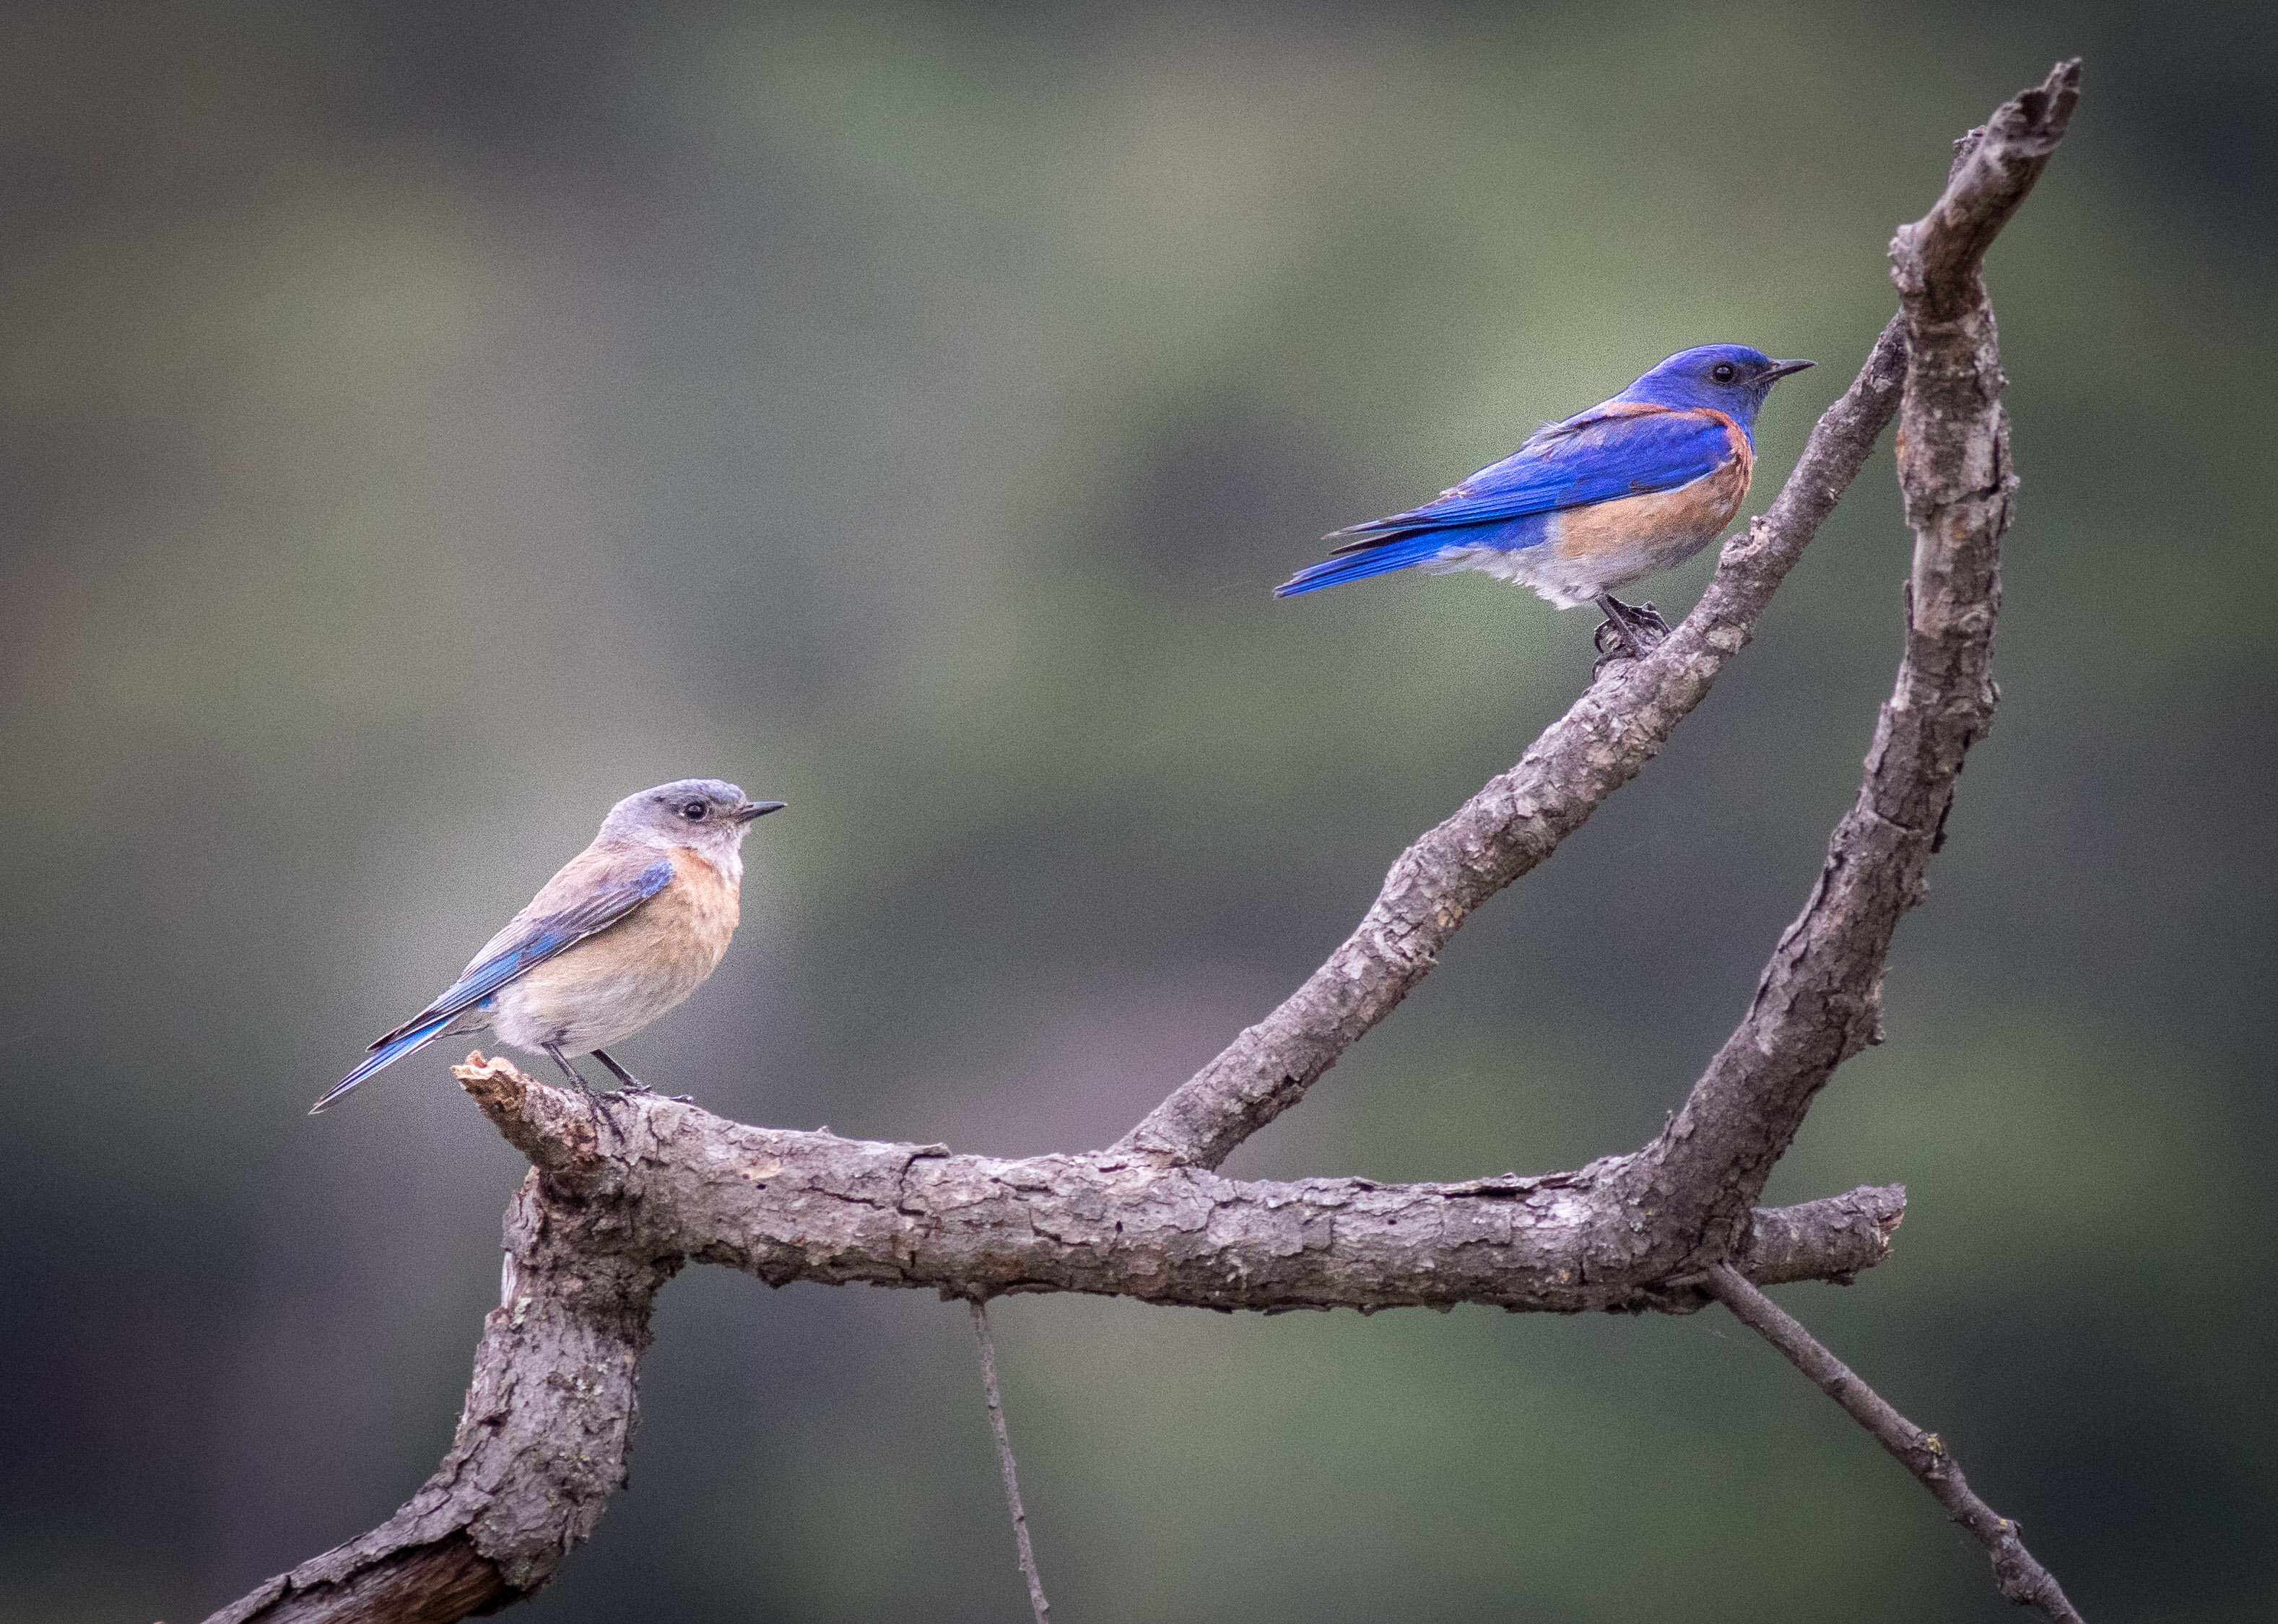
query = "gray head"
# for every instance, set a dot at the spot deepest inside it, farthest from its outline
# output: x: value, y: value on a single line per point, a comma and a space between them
x: 708, y: 814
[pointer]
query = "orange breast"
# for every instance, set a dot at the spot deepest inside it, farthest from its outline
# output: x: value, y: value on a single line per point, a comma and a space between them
x: 1635, y: 536
x: 610, y: 986
x: 684, y: 929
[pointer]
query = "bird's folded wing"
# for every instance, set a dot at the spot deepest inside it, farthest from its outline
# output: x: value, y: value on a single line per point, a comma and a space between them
x: 612, y: 887
x: 1597, y: 456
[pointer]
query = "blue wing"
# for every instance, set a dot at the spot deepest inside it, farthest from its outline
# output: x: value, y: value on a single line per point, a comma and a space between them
x: 1597, y: 456
x: 538, y: 941
x: 1588, y: 459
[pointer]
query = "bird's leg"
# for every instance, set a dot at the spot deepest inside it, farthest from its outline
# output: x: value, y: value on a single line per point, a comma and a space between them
x: 563, y: 1061
x: 583, y: 1087
x: 633, y: 1084
x: 1630, y: 632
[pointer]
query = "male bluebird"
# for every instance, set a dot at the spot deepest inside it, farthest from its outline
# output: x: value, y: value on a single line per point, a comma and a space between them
x: 1635, y: 484
x: 630, y: 926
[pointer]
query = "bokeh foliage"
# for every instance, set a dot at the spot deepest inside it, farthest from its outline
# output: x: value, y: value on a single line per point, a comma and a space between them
x: 426, y: 423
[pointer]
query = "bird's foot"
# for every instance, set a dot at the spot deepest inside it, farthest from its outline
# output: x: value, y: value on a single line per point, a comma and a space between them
x: 636, y: 1086
x: 600, y: 1101
x: 1630, y: 632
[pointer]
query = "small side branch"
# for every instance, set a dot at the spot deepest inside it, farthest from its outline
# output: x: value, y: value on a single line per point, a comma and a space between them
x: 1037, y: 1605
x: 2022, y: 1579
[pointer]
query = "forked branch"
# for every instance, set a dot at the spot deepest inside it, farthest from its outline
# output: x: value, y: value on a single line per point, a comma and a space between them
x: 614, y: 1206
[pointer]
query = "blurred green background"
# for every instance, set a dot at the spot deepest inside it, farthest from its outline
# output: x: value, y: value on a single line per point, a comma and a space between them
x: 427, y: 422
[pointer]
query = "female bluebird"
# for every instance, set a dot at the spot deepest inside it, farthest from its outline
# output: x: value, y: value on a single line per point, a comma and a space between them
x: 630, y: 926
x: 1635, y: 484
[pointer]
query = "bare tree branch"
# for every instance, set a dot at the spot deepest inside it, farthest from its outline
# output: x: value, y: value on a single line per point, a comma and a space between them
x: 615, y: 1204
x: 682, y: 1184
x: 1037, y: 1605
x: 1820, y: 999
x: 1620, y: 723
x: 1603, y: 741
x: 2022, y: 1579
x: 542, y: 1435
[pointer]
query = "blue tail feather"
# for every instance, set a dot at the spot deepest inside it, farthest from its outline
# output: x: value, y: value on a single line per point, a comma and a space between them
x: 386, y: 1055
x: 1417, y: 548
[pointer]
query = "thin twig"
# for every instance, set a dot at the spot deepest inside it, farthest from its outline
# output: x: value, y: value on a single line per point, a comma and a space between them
x: 1037, y: 1605
x: 2022, y: 1579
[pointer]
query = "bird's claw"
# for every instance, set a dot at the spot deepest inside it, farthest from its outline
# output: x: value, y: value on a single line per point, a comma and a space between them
x: 1630, y: 632
x: 634, y: 1086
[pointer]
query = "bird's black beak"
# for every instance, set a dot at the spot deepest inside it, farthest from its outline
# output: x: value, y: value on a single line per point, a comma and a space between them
x: 751, y: 809
x: 1781, y: 369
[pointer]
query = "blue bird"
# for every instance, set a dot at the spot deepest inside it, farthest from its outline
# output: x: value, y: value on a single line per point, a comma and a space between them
x: 1632, y: 486
x: 625, y: 931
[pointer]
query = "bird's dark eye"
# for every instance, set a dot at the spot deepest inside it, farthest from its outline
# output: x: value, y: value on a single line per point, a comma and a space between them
x: 693, y: 811
x: 1724, y: 371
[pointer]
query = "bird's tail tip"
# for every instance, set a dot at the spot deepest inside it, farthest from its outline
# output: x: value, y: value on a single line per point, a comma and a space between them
x: 334, y: 1092
x: 385, y: 1054
x: 1361, y: 560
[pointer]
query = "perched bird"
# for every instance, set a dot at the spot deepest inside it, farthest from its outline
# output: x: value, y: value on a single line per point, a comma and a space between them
x: 1635, y: 484
x: 629, y: 927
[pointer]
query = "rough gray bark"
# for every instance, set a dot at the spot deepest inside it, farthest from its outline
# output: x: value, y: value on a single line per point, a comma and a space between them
x: 1820, y: 999
x: 614, y: 1204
